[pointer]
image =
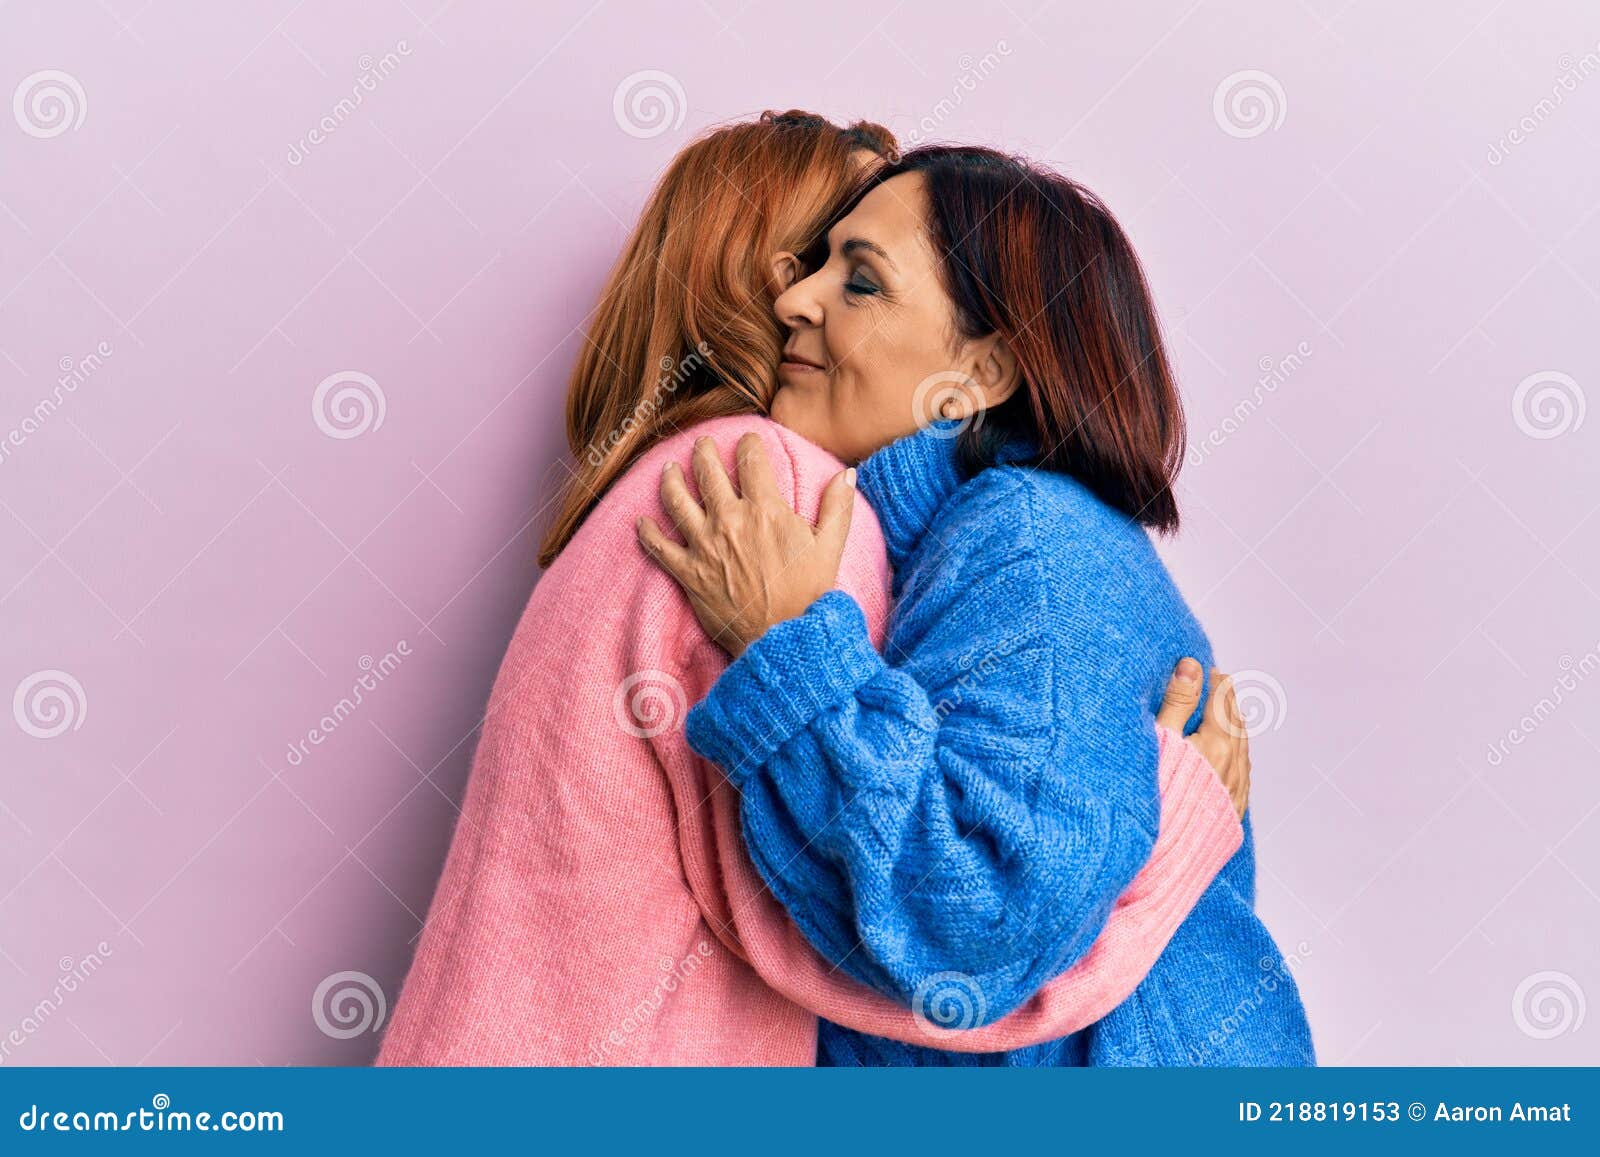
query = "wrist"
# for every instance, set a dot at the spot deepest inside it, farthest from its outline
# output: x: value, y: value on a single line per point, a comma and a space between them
x: 741, y: 636
x: 793, y: 673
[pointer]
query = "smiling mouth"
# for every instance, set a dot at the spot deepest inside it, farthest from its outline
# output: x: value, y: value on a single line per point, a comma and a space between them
x: 793, y: 361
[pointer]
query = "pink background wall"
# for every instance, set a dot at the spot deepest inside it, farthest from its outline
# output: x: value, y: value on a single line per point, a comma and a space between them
x: 1395, y: 534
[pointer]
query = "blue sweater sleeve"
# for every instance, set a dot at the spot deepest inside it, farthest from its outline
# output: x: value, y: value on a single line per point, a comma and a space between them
x: 943, y: 814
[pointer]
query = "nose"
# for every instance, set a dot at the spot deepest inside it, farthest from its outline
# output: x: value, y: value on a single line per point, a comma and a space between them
x: 800, y: 305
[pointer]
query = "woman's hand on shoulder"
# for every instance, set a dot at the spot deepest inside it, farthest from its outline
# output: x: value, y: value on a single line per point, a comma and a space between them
x: 1222, y: 738
x: 748, y: 561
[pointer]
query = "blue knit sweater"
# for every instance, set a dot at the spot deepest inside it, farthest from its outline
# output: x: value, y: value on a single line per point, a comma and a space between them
x: 952, y: 822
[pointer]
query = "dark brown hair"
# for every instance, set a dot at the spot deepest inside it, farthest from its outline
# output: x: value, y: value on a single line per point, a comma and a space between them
x: 685, y: 330
x: 1036, y: 257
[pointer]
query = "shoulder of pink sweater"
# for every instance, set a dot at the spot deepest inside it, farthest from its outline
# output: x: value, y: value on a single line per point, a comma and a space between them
x: 803, y: 469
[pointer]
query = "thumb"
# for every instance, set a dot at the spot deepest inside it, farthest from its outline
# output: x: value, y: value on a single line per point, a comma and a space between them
x: 835, y: 510
x: 1183, y: 696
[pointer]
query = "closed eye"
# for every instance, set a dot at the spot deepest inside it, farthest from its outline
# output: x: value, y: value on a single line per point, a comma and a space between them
x: 815, y: 256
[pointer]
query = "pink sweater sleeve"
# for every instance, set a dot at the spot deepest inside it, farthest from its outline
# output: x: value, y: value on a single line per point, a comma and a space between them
x: 1199, y: 832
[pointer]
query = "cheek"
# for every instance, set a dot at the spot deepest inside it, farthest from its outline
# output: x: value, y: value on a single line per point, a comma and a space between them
x: 883, y: 383
x: 851, y: 336
x: 863, y: 356
x: 880, y: 357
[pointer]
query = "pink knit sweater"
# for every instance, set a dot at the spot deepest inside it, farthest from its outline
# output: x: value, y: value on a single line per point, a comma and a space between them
x: 597, y: 904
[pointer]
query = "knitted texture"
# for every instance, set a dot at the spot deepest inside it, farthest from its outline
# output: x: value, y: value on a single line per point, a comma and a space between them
x: 597, y: 905
x: 953, y: 821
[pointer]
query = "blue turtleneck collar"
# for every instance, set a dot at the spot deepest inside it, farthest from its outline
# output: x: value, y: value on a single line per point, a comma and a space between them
x: 910, y: 479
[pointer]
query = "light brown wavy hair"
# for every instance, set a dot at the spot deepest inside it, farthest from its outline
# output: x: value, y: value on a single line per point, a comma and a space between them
x: 685, y: 330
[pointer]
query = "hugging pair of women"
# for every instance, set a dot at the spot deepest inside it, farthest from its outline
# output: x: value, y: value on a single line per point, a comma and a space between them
x: 855, y: 720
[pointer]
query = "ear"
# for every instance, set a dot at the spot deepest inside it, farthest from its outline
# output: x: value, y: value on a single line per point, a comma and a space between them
x: 994, y: 370
x: 785, y: 270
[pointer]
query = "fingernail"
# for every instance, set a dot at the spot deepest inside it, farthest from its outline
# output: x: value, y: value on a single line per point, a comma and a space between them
x: 1189, y: 670
x: 850, y: 476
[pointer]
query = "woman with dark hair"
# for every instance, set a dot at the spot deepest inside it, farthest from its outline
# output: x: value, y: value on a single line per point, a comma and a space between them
x: 951, y: 820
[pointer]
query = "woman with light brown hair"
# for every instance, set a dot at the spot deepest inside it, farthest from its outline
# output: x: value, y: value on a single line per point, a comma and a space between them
x: 597, y: 904
x: 684, y: 331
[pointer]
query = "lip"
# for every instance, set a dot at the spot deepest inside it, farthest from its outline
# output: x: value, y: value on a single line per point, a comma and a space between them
x: 794, y: 363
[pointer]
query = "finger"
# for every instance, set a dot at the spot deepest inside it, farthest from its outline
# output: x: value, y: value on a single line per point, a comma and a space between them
x: 1241, y: 747
x: 1183, y: 696
x: 716, y: 488
x: 757, y: 479
x: 1216, y: 705
x: 835, y: 511
x: 1224, y: 711
x: 1241, y: 762
x: 672, y: 558
x: 684, y: 511
x: 1226, y: 706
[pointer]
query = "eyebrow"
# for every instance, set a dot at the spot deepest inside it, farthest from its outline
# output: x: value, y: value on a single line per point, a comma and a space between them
x: 855, y: 243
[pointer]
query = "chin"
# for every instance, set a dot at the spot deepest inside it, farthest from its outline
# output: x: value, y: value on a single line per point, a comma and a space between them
x: 787, y: 413
x: 806, y: 413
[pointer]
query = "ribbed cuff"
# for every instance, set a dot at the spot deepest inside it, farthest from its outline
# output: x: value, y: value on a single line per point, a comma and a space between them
x: 1204, y: 827
x: 789, y: 676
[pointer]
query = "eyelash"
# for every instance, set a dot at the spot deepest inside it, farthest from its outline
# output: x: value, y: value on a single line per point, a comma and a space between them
x: 861, y: 288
